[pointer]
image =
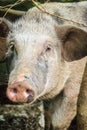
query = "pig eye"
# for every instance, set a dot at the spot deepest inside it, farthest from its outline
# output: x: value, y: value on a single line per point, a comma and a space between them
x: 11, y: 46
x: 48, y: 48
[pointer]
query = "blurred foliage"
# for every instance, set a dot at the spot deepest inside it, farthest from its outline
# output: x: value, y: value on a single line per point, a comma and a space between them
x: 68, y: 0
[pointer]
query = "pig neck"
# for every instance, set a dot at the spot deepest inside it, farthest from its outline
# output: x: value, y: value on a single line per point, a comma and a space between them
x: 63, y: 76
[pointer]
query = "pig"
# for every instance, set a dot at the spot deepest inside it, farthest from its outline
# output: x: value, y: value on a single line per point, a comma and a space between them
x: 46, y: 59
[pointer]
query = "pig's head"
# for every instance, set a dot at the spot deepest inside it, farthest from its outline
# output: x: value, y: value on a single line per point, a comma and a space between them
x: 38, y: 50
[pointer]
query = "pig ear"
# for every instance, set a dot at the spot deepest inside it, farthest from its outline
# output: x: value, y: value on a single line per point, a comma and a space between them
x: 5, y: 26
x: 74, y: 42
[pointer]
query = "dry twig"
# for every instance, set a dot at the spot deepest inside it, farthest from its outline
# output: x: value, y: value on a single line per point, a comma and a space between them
x: 12, y: 11
x: 57, y: 16
x: 11, y: 7
x: 43, y: 9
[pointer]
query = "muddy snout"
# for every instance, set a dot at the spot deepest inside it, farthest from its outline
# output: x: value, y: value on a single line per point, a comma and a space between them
x: 20, y: 92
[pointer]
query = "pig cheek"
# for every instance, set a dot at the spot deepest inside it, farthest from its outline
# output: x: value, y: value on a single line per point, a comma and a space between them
x: 42, y: 69
x: 52, y: 76
x: 40, y: 88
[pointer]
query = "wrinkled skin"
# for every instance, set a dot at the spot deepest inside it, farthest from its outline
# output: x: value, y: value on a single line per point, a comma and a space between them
x: 40, y: 53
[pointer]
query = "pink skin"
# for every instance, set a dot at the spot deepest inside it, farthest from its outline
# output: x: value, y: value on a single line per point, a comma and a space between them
x: 20, y: 92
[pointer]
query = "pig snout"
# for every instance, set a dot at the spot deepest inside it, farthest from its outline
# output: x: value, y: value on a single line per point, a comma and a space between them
x: 20, y: 92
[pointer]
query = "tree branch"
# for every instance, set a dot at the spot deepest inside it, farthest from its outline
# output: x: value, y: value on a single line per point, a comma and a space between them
x: 12, y: 11
x: 43, y: 9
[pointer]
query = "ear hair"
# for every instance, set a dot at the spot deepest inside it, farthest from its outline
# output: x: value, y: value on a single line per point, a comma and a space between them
x: 5, y: 27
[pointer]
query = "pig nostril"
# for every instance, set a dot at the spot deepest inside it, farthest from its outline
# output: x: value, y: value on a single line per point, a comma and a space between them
x: 27, y: 91
x: 19, y: 85
x: 14, y: 90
